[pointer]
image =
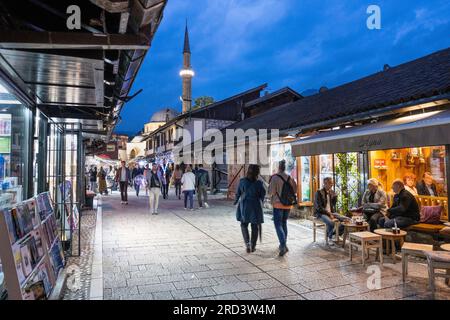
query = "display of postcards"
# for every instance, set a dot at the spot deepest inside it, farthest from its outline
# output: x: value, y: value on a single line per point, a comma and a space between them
x: 26, y: 259
x: 11, y: 225
x: 33, y: 212
x: 40, y: 205
x: 36, y: 291
x: 24, y: 219
x: 32, y: 246
x: 18, y: 261
x: 51, y: 231
x: 42, y: 275
x: 36, y: 234
x: 56, y: 258
x: 47, y: 202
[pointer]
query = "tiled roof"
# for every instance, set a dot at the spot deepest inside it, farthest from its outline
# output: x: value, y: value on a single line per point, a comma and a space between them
x: 422, y: 78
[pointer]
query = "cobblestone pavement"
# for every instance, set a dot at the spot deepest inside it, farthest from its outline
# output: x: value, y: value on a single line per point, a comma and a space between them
x: 82, y: 263
x: 180, y: 254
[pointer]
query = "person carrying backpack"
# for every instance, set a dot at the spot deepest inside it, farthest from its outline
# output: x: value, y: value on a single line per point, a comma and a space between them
x: 282, y: 191
x: 202, y: 184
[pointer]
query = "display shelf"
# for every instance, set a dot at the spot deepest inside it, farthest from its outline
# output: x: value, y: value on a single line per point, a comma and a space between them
x: 32, y: 273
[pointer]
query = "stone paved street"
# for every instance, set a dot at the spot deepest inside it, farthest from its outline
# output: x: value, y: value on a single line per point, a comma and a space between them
x: 180, y: 254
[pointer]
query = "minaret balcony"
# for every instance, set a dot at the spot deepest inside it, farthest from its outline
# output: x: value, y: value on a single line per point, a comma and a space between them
x: 187, y: 73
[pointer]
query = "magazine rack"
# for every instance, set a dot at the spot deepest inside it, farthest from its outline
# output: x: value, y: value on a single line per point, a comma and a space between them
x: 16, y: 283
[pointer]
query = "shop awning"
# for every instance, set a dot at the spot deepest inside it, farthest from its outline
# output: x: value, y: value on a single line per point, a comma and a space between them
x: 426, y: 129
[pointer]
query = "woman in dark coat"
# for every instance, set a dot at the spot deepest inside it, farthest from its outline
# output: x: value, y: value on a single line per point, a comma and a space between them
x: 250, y: 197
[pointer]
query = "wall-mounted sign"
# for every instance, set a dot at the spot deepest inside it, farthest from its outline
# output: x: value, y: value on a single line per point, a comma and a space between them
x: 110, y: 148
x: 380, y: 162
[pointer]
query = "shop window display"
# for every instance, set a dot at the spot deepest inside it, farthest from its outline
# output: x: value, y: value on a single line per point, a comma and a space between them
x: 283, y: 152
x: 14, y: 144
x: 421, y: 169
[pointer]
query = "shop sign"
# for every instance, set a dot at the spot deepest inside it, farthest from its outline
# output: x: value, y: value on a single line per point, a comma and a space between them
x: 110, y: 148
x: 370, y: 142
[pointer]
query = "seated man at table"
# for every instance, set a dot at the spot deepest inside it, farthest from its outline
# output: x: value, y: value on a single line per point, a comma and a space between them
x: 373, y: 203
x: 405, y: 209
x: 426, y: 187
x: 325, y: 207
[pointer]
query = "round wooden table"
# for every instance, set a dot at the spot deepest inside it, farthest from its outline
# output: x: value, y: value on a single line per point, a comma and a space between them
x: 446, y: 247
x: 390, y: 239
x: 352, y: 227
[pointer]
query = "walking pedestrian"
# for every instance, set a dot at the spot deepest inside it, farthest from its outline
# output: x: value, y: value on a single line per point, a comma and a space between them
x: 146, y: 173
x: 249, y: 198
x: 282, y: 190
x: 188, y: 184
x: 123, y: 177
x: 102, y: 188
x: 177, y: 174
x: 138, y: 176
x: 93, y: 179
x: 154, y: 188
x: 165, y: 175
x: 202, y: 184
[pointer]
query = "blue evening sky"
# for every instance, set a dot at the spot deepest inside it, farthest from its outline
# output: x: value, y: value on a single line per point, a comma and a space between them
x: 303, y: 44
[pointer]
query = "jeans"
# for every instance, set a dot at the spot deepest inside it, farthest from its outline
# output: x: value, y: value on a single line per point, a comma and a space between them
x: 402, y: 222
x: 189, y: 194
x: 373, y: 220
x: 137, y: 187
x: 202, y: 192
x: 250, y: 242
x: 330, y: 225
x: 153, y: 197
x: 124, y: 191
x: 280, y: 217
x: 178, y: 188
x: 93, y: 186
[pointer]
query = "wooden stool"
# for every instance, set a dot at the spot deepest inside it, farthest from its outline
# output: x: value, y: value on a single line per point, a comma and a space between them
x: 390, y: 238
x: 438, y: 260
x: 412, y: 249
x: 318, y: 224
x: 365, y: 241
x: 352, y: 227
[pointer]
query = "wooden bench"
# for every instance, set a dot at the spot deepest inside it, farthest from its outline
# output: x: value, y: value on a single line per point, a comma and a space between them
x: 428, y: 201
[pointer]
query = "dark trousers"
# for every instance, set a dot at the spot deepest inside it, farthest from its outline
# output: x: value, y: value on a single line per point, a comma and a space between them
x: 189, y: 194
x: 373, y: 220
x: 402, y: 222
x: 178, y: 188
x: 165, y: 190
x: 124, y: 191
x: 137, y: 187
x: 280, y: 217
x: 250, y: 242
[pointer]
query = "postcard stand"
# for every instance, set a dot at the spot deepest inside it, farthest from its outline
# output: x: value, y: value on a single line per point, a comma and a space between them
x: 14, y: 287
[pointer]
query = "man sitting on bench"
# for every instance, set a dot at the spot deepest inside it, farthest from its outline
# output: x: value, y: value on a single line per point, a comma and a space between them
x: 405, y: 209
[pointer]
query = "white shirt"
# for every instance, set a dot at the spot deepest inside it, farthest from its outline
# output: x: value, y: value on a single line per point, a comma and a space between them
x: 328, y: 207
x: 188, y: 181
x: 123, y: 175
x: 430, y: 190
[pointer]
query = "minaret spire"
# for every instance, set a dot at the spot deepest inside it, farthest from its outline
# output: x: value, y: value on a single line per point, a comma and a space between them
x: 187, y: 47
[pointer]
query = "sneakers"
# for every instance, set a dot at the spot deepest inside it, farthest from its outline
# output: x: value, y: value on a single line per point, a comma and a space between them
x: 206, y: 205
x: 191, y: 209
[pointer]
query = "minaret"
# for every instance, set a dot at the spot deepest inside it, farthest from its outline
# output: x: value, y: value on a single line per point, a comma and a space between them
x: 187, y: 74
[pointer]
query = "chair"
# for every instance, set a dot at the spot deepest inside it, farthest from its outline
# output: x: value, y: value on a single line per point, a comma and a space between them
x: 318, y: 224
x: 439, y: 260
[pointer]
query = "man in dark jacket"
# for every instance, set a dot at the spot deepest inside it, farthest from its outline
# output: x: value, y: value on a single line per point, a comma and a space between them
x: 405, y: 209
x: 426, y: 187
x: 123, y: 177
x: 325, y: 207
x: 202, y: 184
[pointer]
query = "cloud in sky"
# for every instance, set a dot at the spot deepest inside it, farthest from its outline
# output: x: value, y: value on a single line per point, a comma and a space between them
x: 239, y: 44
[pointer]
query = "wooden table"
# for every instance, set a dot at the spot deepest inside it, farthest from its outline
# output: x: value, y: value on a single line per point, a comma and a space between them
x: 365, y: 241
x: 352, y: 227
x: 412, y: 249
x: 391, y: 238
x: 446, y: 247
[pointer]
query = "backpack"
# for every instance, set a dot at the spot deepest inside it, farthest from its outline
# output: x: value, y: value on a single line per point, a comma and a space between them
x: 288, y: 196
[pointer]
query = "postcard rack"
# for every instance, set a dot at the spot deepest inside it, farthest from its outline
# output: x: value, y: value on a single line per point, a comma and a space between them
x: 30, y: 249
